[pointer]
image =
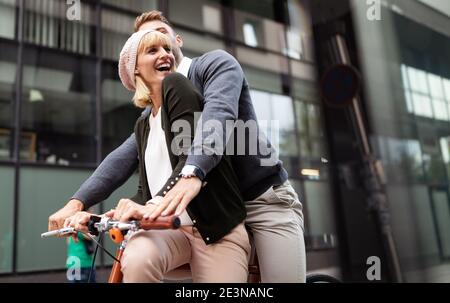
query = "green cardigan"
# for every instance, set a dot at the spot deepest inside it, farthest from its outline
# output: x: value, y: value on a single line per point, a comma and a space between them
x: 219, y: 207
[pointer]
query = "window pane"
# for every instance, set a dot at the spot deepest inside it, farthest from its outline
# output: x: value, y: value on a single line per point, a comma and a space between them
x: 283, y: 115
x: 119, y: 114
x: 321, y: 212
x: 43, y: 191
x: 261, y: 8
x: 418, y: 80
x: 310, y: 127
x: 409, y: 104
x: 116, y: 28
x: 263, y: 80
x: 436, y: 88
x: 401, y: 157
x: 440, y: 110
x: 301, y: 109
x: 315, y: 120
x: 199, y: 14
x: 58, y: 107
x: 261, y: 103
x: 305, y: 90
x: 447, y: 89
x: 422, y: 105
x: 196, y: 45
x: 6, y: 218
x: 46, y: 23
x: 275, y: 115
x: 413, y: 228
x: 262, y: 60
x: 8, y: 70
x: 255, y: 31
x: 139, y: 6
x: 283, y: 111
x: 7, y: 18
x: 300, y: 38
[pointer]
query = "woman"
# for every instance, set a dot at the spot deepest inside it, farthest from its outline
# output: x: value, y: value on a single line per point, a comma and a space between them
x: 213, y: 239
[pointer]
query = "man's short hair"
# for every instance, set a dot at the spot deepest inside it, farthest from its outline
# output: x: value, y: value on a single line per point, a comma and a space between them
x: 150, y: 16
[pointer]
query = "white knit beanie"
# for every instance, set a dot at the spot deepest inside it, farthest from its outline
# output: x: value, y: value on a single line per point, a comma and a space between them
x: 128, y: 58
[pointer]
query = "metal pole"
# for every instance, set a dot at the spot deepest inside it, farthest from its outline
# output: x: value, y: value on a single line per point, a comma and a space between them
x: 373, y: 171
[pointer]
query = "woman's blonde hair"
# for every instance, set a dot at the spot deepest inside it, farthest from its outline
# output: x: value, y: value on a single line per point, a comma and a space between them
x: 142, y: 94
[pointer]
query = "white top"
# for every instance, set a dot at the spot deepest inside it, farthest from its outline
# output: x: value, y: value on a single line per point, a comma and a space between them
x: 157, y: 161
x: 183, y: 67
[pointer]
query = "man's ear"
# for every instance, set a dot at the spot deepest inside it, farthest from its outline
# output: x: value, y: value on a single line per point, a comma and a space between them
x: 179, y: 40
x: 136, y: 72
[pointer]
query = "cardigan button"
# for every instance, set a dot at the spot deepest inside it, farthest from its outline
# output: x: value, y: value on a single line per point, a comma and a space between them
x: 176, y: 179
x: 168, y: 187
x: 172, y: 183
x: 164, y: 193
x: 207, y: 238
x: 194, y: 221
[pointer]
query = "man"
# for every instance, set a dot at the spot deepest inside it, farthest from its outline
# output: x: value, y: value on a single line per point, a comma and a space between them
x: 274, y: 213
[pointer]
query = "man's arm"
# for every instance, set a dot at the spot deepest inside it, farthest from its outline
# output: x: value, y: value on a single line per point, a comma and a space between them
x: 222, y: 78
x: 114, y: 170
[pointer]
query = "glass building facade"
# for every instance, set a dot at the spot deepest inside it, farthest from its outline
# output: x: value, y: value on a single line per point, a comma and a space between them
x: 63, y: 107
x: 406, y: 68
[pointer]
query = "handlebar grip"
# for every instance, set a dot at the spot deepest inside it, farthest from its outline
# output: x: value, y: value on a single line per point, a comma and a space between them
x: 171, y: 222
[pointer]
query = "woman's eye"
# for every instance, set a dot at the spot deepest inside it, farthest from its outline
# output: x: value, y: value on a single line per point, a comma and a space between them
x: 151, y: 50
x: 168, y: 49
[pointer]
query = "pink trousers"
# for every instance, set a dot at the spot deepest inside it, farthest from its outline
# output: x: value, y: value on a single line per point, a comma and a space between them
x: 150, y: 255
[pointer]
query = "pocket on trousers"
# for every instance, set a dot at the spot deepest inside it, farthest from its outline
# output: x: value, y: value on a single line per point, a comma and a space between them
x: 284, y: 194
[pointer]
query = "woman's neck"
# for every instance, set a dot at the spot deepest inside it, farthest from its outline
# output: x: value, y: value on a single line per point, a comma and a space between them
x: 156, y: 99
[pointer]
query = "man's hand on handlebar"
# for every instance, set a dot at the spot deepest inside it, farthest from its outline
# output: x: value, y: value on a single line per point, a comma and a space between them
x: 56, y: 220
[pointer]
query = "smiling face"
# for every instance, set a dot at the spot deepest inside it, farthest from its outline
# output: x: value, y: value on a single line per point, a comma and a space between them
x: 175, y: 40
x: 155, y: 59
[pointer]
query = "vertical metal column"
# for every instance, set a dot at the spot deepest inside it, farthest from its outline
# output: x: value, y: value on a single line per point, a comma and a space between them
x: 99, y: 96
x: 372, y: 171
x: 17, y: 124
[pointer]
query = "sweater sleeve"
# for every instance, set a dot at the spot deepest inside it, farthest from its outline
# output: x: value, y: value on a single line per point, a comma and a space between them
x: 114, y: 170
x: 222, y: 80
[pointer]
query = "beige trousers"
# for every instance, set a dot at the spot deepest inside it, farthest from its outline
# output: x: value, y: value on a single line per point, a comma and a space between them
x: 150, y: 255
x: 276, y: 221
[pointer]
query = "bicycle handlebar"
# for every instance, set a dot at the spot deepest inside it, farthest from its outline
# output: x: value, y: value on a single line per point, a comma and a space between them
x: 171, y: 222
x: 100, y: 224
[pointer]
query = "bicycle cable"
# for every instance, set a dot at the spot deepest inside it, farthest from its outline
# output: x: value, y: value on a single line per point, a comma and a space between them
x: 98, y: 244
x: 100, y: 236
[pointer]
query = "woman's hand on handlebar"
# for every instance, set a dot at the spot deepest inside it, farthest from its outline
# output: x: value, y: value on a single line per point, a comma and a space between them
x: 128, y: 210
x: 79, y: 221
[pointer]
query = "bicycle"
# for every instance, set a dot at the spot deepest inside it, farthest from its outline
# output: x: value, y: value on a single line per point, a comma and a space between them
x: 117, y: 231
